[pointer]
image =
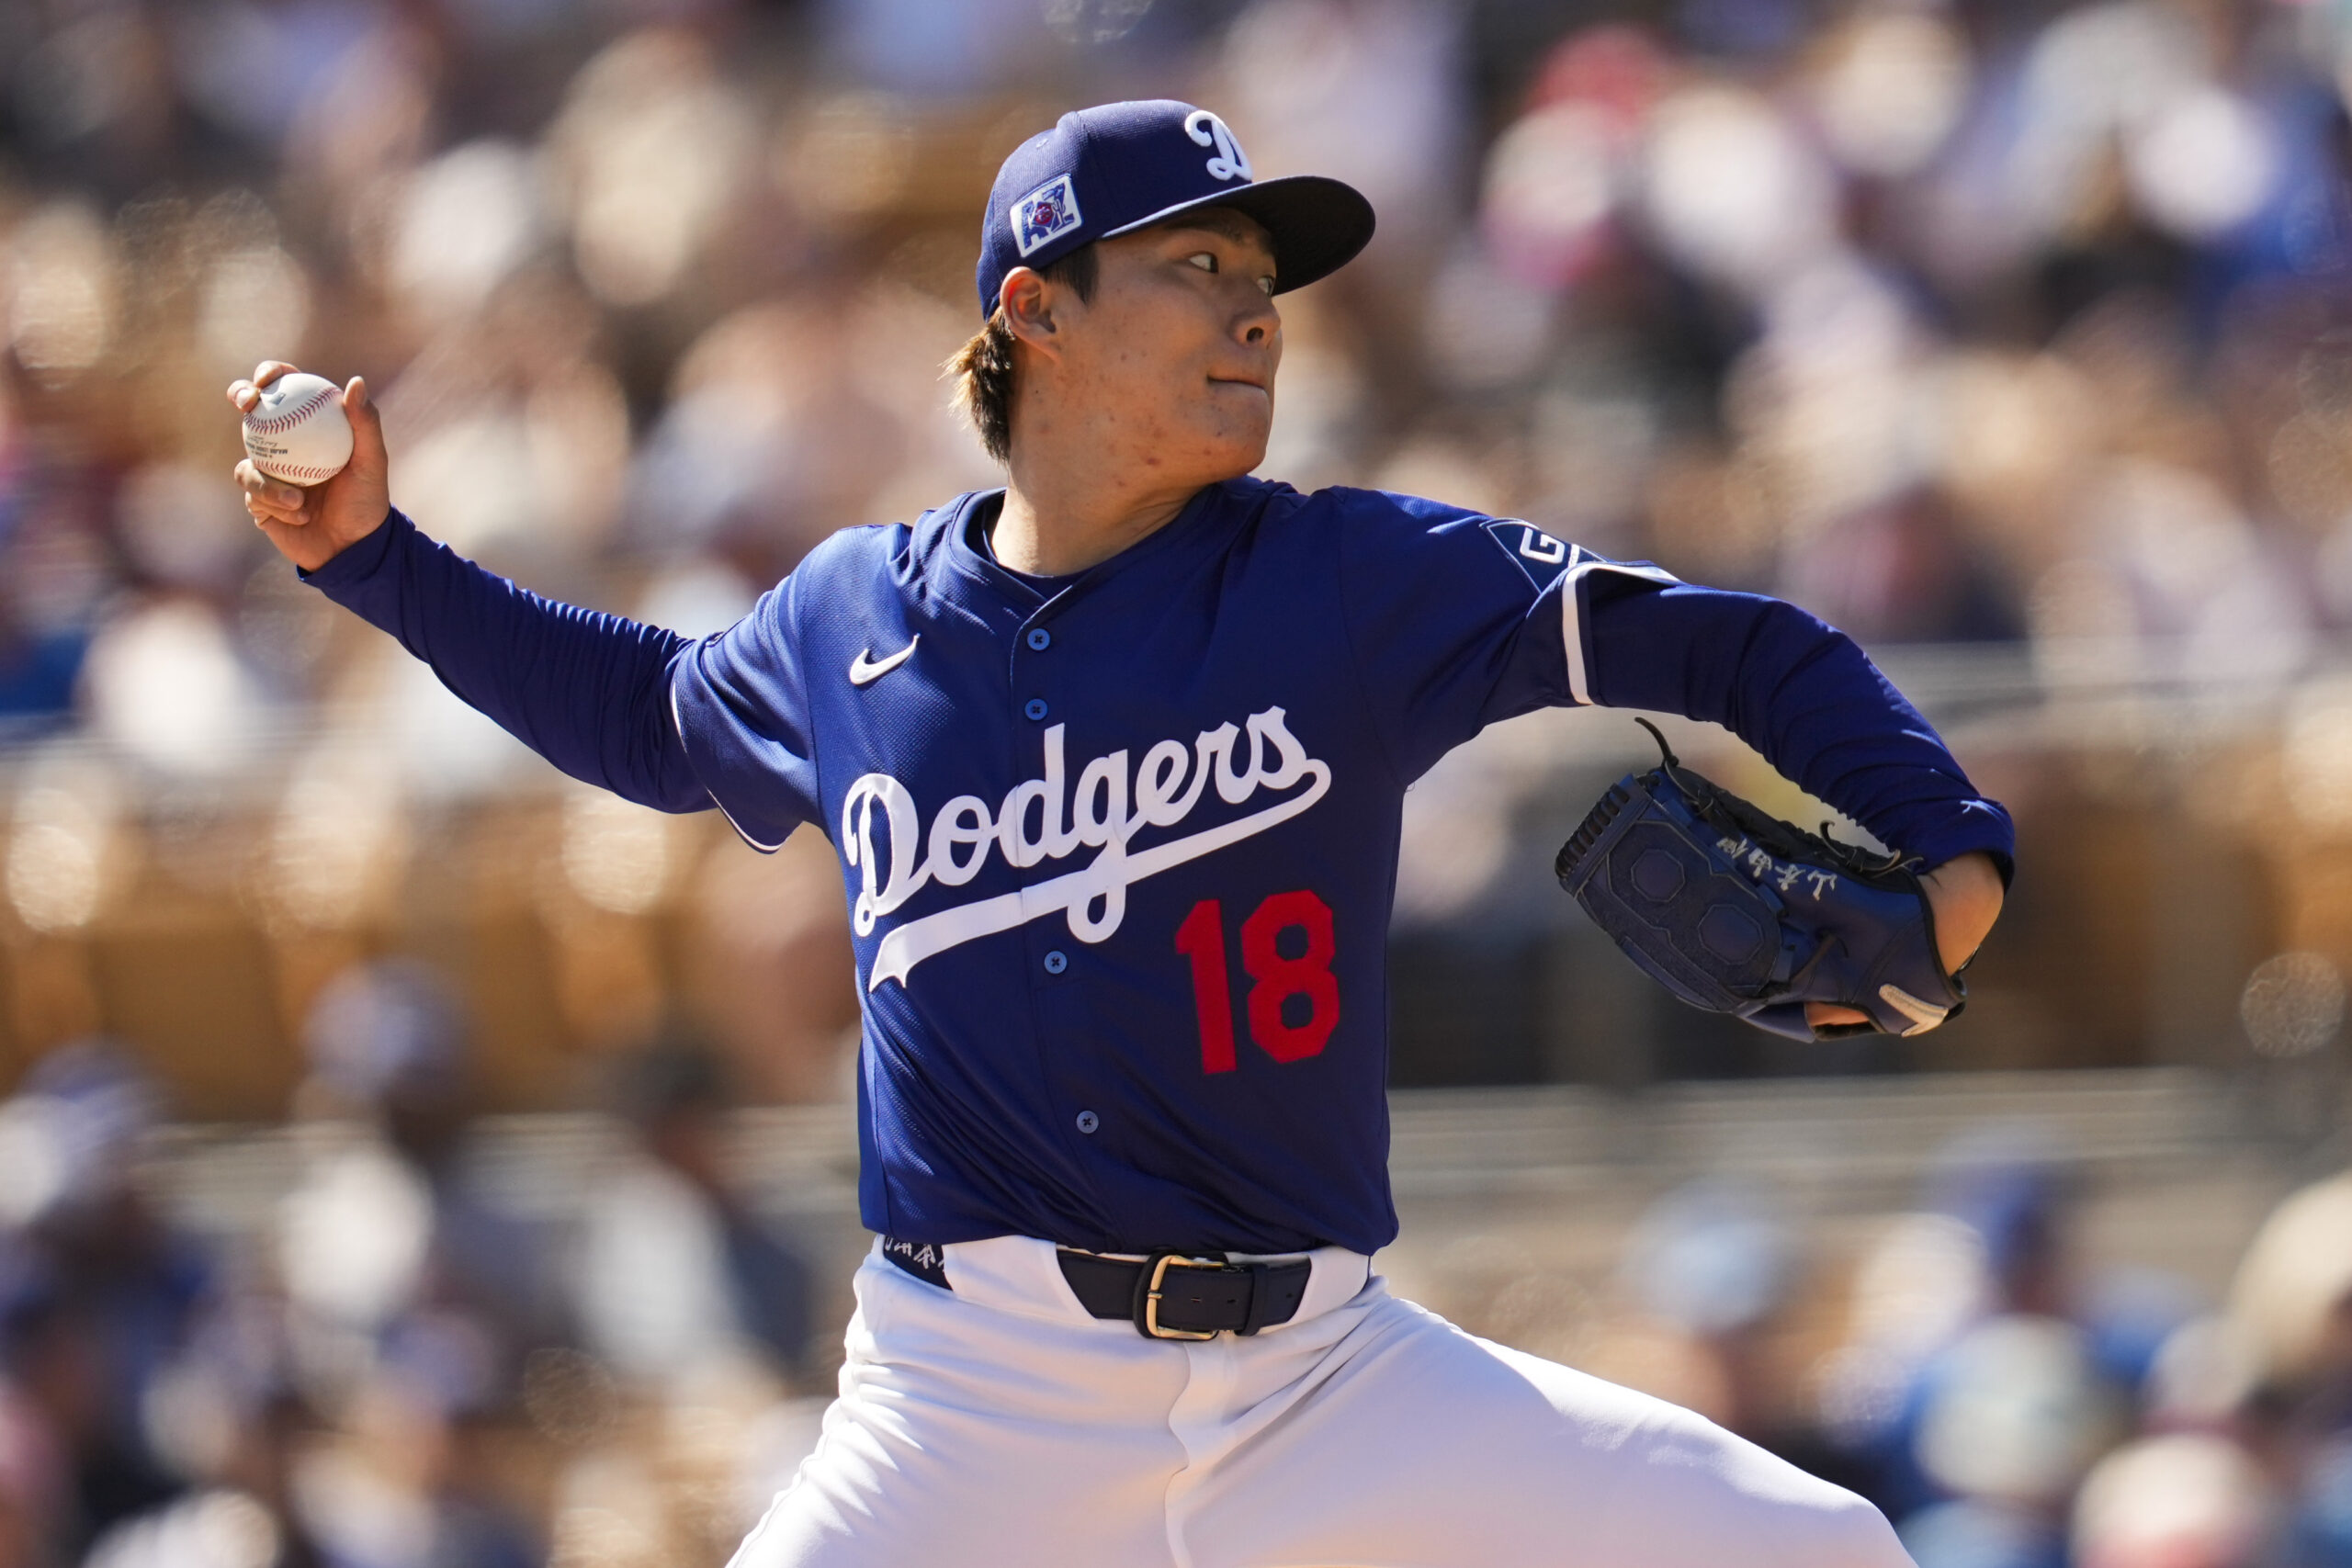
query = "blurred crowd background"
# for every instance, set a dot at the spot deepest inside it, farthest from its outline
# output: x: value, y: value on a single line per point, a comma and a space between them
x: 415, y: 1160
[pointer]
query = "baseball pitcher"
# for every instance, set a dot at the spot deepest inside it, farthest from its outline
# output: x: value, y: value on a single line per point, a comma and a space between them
x: 1114, y: 758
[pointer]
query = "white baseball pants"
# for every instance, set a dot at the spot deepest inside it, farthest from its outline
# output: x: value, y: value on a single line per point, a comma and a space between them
x: 997, y: 1424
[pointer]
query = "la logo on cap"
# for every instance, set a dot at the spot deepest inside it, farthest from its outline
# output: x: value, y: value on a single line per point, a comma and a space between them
x: 1231, y: 162
x: 1044, y: 214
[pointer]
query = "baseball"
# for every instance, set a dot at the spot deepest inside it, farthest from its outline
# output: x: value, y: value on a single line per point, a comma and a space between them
x: 298, y: 431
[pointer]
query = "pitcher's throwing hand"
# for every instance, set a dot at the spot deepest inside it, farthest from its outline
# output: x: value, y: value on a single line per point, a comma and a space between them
x: 311, y: 525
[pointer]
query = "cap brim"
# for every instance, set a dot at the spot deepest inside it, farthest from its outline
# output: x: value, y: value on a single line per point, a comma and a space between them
x: 1318, y: 224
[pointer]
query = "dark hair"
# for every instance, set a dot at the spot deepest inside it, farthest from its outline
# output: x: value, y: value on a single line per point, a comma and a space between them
x: 983, y: 367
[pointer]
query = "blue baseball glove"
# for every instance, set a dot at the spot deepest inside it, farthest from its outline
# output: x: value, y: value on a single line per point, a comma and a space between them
x: 1738, y: 912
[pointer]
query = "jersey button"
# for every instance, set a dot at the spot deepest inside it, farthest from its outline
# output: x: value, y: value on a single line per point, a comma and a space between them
x: 1036, y: 708
x: 1087, y: 1121
x: 1056, y: 961
x: 1040, y: 638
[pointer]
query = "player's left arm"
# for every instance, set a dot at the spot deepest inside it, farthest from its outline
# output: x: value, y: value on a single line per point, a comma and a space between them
x: 1456, y: 620
x: 1806, y: 697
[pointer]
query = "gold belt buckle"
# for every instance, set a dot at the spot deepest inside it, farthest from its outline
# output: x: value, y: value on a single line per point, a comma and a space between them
x: 1152, y: 1292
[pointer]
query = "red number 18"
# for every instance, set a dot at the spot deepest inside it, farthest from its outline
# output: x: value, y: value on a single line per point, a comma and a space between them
x: 1276, y: 979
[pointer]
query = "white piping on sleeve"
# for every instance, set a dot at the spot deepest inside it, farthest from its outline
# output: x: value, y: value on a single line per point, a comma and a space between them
x: 678, y: 722
x: 1579, y: 686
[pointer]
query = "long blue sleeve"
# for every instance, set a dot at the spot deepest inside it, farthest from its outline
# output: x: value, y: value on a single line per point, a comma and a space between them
x: 1802, y: 693
x: 1459, y: 620
x: 588, y: 691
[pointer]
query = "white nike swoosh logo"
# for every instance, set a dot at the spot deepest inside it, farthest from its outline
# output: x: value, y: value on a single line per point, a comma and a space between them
x: 863, y: 669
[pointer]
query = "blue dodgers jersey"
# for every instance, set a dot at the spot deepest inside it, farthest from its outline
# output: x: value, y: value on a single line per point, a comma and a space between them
x: 1120, y: 860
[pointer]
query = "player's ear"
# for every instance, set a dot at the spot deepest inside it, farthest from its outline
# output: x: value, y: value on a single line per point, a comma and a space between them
x: 1028, y: 304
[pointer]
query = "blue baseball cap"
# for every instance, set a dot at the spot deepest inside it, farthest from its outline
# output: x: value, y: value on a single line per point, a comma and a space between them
x: 1119, y: 167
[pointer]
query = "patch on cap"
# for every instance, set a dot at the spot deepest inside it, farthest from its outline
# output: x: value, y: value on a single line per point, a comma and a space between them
x: 1044, y: 214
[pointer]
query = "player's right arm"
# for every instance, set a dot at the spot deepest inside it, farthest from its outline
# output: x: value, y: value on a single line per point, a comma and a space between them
x: 588, y: 691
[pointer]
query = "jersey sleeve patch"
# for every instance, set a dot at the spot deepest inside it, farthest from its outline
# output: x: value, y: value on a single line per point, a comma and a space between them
x: 1534, y: 552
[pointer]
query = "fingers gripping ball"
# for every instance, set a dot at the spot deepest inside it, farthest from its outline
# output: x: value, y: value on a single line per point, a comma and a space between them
x: 298, y: 431
x: 1739, y: 912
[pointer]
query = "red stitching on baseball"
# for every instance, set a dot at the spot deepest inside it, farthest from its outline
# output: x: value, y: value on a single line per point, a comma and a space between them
x: 294, y: 415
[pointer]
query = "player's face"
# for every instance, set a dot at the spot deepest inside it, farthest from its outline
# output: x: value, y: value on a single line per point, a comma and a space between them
x: 1181, y: 340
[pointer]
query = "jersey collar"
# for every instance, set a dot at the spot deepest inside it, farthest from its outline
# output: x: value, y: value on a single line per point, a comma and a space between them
x: 1213, y: 511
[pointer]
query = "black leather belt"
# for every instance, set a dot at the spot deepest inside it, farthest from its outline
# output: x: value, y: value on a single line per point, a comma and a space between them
x: 1169, y: 1295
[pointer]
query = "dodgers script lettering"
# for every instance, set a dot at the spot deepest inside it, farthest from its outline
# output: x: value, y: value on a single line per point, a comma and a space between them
x: 1045, y: 819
